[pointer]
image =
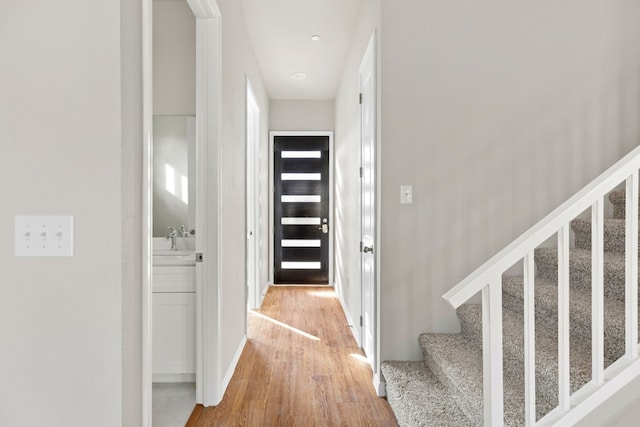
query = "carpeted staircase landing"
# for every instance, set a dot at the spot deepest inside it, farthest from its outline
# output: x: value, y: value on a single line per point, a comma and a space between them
x: 445, y: 389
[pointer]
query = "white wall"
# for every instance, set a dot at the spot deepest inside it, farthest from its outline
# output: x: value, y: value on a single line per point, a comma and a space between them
x: 305, y: 115
x: 131, y: 185
x: 495, y: 113
x: 60, y: 153
x: 238, y: 63
x: 174, y: 59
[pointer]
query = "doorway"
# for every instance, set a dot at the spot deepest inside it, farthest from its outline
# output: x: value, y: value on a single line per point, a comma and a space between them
x: 302, y: 207
x: 208, y: 82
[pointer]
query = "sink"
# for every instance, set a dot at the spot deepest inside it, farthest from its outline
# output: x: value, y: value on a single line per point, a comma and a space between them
x: 162, y: 257
x: 183, y: 244
x: 162, y: 252
x: 185, y: 255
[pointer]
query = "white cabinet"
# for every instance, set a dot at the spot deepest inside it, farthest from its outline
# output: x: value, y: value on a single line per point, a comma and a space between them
x: 174, y: 322
x: 168, y: 278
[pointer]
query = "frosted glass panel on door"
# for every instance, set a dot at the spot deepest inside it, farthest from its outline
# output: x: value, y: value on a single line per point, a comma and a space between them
x: 300, y: 221
x: 301, y: 199
x: 292, y: 265
x: 300, y: 243
x: 301, y: 177
x: 301, y: 154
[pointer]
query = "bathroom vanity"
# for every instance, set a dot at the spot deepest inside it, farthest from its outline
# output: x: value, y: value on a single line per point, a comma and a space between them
x: 174, y: 315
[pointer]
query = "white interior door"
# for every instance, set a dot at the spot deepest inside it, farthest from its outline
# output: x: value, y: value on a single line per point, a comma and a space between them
x: 368, y: 199
x: 253, y: 173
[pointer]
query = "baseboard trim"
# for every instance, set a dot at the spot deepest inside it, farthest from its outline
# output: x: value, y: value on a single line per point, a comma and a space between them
x: 350, y: 322
x: 380, y: 385
x: 232, y: 368
x: 263, y: 294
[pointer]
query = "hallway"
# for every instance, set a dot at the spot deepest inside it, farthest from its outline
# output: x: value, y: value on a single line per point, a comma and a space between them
x: 301, y: 367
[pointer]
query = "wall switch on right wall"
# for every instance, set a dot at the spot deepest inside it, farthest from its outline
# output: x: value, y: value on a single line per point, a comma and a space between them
x: 406, y: 194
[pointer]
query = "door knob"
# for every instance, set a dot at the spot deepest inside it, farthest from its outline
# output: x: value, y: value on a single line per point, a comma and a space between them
x: 324, y: 228
x: 367, y: 249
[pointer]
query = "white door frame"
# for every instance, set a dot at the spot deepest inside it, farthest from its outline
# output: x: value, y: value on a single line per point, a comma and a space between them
x: 253, y: 173
x: 273, y: 134
x: 208, y: 110
x: 370, y: 305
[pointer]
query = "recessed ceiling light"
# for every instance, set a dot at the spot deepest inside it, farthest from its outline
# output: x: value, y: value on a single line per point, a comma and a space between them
x: 299, y: 76
x: 315, y: 37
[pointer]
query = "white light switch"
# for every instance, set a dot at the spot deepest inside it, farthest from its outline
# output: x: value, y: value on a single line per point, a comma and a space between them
x: 44, y: 236
x: 406, y: 194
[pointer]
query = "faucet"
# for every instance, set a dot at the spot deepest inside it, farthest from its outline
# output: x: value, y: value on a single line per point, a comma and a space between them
x: 183, y: 231
x: 172, y: 236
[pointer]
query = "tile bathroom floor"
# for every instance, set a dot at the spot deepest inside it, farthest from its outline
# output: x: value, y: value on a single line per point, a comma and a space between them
x: 173, y: 403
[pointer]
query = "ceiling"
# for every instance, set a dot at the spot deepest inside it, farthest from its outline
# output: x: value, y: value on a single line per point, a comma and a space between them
x: 281, y: 30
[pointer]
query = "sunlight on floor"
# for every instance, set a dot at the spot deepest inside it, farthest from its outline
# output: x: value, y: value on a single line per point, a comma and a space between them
x: 323, y: 294
x: 284, y: 325
x: 360, y: 358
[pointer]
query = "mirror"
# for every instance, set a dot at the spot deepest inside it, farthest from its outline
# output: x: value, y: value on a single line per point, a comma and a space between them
x: 174, y: 167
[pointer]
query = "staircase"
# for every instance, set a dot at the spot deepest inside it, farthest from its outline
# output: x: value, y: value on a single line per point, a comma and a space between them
x: 446, y: 388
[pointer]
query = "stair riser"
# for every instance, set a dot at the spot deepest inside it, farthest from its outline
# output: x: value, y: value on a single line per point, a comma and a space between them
x: 580, y: 275
x: 618, y: 200
x: 619, y: 211
x: 547, y: 319
x: 471, y: 404
x: 418, y: 399
x: 613, y: 240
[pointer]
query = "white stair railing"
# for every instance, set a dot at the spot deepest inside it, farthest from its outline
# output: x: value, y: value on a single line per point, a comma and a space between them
x: 488, y: 279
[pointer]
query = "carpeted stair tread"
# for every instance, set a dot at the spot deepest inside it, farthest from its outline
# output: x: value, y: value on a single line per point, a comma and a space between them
x: 418, y: 398
x: 457, y: 363
x: 546, y: 353
x: 618, y: 199
x: 613, y: 234
x: 546, y: 296
x: 580, y: 269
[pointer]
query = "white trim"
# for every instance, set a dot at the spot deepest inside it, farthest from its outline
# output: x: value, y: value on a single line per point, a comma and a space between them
x: 631, y: 265
x: 208, y: 117
x: 273, y: 134
x: 205, y: 9
x: 379, y: 385
x: 147, y: 203
x: 232, y: 367
x: 350, y: 322
x: 252, y: 163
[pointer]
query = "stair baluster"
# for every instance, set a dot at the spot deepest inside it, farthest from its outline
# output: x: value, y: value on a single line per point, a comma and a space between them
x: 631, y: 265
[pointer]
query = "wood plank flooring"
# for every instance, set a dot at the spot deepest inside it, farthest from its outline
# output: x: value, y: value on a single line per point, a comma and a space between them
x: 301, y: 367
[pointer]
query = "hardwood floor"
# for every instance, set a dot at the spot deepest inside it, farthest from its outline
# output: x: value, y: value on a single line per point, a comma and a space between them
x: 300, y: 367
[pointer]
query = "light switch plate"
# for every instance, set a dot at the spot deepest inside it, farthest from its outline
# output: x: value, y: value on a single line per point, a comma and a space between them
x: 43, y: 236
x: 406, y: 194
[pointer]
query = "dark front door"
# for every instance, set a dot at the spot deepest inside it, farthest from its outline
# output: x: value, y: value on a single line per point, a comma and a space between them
x: 301, y: 209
